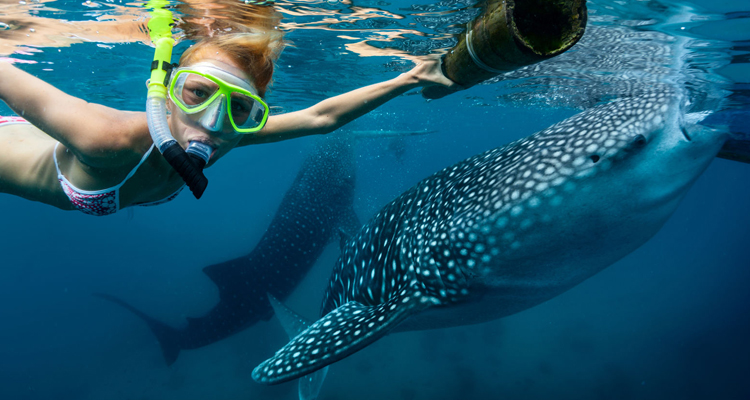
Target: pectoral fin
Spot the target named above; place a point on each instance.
(342, 332)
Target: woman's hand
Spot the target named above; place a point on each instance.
(429, 74)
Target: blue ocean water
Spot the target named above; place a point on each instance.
(669, 321)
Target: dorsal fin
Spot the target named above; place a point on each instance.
(222, 274)
(342, 332)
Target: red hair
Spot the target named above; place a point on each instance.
(250, 38)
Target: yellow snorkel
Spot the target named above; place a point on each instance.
(189, 164)
(160, 31)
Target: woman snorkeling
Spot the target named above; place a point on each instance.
(75, 155)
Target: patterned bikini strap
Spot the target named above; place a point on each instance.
(12, 120)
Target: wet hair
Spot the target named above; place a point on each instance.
(249, 36)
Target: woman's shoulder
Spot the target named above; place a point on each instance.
(123, 137)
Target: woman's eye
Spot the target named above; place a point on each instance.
(237, 106)
(199, 93)
(197, 90)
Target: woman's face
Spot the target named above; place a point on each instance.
(187, 128)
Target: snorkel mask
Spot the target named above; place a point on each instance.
(210, 96)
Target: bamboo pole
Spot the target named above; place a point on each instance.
(508, 35)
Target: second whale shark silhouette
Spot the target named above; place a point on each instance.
(504, 230)
(314, 210)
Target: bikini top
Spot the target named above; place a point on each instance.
(105, 201)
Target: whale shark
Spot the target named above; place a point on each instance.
(315, 209)
(504, 230)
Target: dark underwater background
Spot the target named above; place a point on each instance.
(669, 321)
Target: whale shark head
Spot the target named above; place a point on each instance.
(645, 149)
(564, 203)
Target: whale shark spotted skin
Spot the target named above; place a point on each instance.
(507, 229)
(317, 204)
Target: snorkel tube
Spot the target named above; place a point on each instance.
(189, 164)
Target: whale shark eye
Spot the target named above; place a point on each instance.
(640, 141)
(594, 158)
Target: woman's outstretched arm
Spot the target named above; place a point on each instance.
(333, 113)
(98, 135)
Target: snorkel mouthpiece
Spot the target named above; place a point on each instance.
(186, 166)
(190, 167)
(200, 153)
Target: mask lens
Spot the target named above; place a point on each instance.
(193, 90)
(246, 111)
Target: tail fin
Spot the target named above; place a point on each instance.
(167, 336)
(310, 384)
